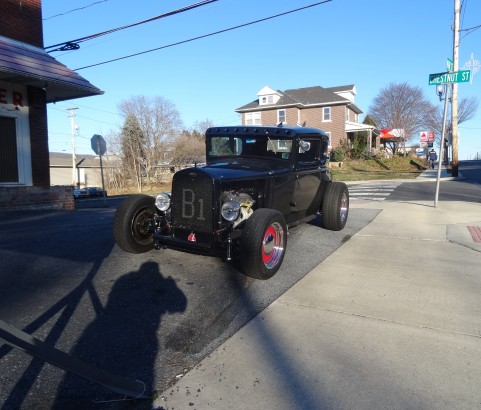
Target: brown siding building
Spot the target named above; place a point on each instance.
(330, 109)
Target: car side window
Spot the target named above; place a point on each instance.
(225, 146)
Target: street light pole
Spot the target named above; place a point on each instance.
(72, 126)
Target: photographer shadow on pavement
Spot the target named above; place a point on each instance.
(123, 337)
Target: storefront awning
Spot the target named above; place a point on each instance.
(32, 66)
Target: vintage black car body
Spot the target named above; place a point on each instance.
(257, 181)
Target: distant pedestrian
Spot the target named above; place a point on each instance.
(432, 157)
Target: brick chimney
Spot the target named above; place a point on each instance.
(21, 20)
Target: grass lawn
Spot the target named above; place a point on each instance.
(355, 170)
(391, 168)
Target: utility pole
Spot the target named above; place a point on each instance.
(72, 126)
(454, 94)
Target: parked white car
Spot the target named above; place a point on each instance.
(80, 193)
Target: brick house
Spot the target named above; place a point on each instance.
(29, 79)
(330, 109)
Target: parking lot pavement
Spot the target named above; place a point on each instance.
(147, 317)
(392, 319)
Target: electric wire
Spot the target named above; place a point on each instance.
(77, 9)
(204, 35)
(74, 44)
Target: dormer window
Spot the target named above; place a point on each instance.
(268, 96)
(267, 99)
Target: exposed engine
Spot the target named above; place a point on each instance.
(245, 202)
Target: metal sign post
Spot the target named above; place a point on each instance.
(99, 146)
(441, 151)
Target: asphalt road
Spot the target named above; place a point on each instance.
(146, 317)
(467, 189)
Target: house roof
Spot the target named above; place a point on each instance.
(31, 66)
(342, 88)
(64, 160)
(305, 97)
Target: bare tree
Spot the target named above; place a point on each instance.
(402, 107)
(159, 122)
(201, 126)
(467, 109)
(189, 148)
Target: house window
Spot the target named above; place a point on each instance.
(8, 150)
(267, 99)
(253, 118)
(326, 114)
(281, 116)
(347, 114)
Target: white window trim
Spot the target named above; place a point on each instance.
(22, 128)
(285, 116)
(323, 114)
(253, 116)
(330, 139)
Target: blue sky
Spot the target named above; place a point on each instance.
(368, 43)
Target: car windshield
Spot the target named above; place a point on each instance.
(250, 146)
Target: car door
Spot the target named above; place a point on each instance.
(307, 179)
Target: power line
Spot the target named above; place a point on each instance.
(77, 9)
(74, 44)
(204, 36)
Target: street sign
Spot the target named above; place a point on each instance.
(450, 65)
(99, 146)
(461, 76)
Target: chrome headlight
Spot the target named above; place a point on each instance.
(162, 202)
(230, 210)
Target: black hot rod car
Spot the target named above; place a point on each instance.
(257, 181)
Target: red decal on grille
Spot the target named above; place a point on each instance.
(192, 237)
(475, 232)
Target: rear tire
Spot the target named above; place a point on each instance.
(133, 224)
(263, 244)
(335, 206)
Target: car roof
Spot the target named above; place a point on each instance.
(285, 131)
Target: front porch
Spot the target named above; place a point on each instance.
(369, 132)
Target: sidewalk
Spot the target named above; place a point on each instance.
(391, 320)
(432, 174)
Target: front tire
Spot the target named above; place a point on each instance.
(134, 223)
(335, 206)
(263, 244)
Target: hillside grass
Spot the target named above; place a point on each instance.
(372, 169)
